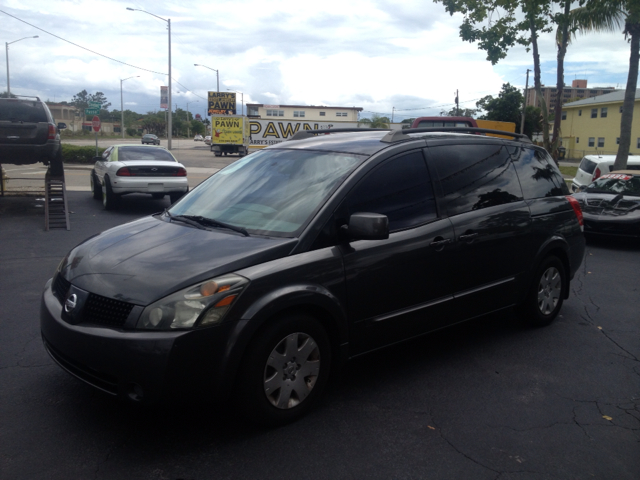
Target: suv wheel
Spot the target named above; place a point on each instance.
(96, 188)
(546, 296)
(109, 199)
(285, 371)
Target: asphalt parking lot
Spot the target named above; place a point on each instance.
(490, 399)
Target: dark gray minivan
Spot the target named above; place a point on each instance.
(289, 261)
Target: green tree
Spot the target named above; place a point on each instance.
(610, 15)
(376, 121)
(81, 102)
(506, 107)
(533, 123)
(5, 94)
(197, 127)
(497, 25)
(460, 112)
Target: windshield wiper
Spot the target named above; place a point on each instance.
(200, 221)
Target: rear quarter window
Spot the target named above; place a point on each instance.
(538, 174)
(587, 165)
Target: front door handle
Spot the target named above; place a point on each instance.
(439, 243)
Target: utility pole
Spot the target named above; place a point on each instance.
(457, 105)
(524, 106)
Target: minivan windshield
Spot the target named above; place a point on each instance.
(271, 192)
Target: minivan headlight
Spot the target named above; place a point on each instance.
(197, 306)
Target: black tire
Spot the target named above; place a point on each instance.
(109, 199)
(174, 197)
(56, 166)
(272, 384)
(545, 299)
(217, 154)
(96, 188)
(158, 196)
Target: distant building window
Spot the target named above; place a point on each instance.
(600, 142)
(581, 91)
(577, 140)
(592, 141)
(298, 113)
(341, 114)
(594, 113)
(603, 112)
(638, 143)
(617, 140)
(579, 113)
(620, 108)
(322, 114)
(275, 113)
(564, 115)
(253, 111)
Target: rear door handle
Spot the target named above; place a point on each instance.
(469, 237)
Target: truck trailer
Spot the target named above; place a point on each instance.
(230, 134)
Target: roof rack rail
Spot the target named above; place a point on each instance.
(303, 134)
(516, 136)
(27, 96)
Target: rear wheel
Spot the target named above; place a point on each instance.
(547, 293)
(286, 370)
(109, 199)
(96, 188)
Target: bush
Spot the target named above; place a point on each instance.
(77, 154)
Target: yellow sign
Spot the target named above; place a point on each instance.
(229, 130)
(222, 103)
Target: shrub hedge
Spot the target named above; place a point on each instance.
(77, 154)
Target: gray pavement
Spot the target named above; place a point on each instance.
(489, 399)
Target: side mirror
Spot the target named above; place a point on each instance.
(62, 126)
(367, 226)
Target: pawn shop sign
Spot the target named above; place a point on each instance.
(95, 123)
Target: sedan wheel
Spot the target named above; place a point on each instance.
(109, 199)
(286, 370)
(96, 188)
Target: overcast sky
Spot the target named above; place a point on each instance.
(384, 56)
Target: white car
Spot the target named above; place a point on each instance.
(207, 139)
(593, 166)
(129, 168)
(198, 138)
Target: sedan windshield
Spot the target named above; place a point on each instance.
(272, 192)
(615, 184)
(144, 153)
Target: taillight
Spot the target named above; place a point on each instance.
(123, 172)
(576, 209)
(597, 174)
(52, 132)
(180, 173)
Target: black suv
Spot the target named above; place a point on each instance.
(297, 257)
(29, 134)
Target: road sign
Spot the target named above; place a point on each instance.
(95, 123)
(97, 105)
(91, 111)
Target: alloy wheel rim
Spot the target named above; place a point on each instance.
(291, 371)
(549, 290)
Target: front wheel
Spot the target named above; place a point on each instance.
(286, 370)
(547, 293)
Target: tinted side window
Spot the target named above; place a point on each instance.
(400, 189)
(475, 176)
(538, 176)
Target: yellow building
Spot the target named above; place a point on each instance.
(592, 126)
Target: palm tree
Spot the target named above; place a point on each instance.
(606, 16)
(376, 121)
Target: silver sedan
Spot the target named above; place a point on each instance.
(124, 169)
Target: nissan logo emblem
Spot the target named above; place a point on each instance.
(154, 169)
(71, 303)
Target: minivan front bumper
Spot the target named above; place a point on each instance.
(140, 366)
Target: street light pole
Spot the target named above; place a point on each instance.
(169, 127)
(242, 99)
(6, 44)
(217, 75)
(122, 104)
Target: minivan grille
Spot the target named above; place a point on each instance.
(106, 311)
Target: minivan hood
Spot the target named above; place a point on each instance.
(145, 260)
